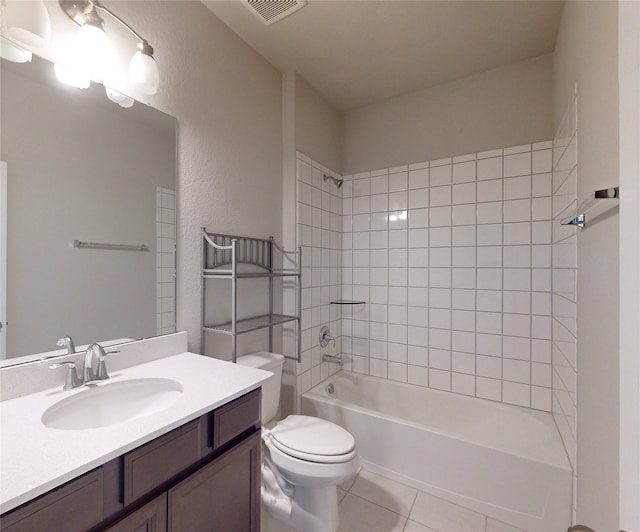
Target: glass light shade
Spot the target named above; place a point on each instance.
(71, 77)
(27, 21)
(117, 97)
(93, 51)
(143, 74)
(13, 53)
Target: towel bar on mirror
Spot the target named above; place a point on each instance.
(600, 199)
(98, 245)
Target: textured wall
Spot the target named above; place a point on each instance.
(586, 57)
(502, 107)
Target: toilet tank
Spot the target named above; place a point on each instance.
(272, 362)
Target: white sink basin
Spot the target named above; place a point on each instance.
(112, 403)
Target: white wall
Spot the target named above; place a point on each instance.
(629, 59)
(587, 56)
(317, 126)
(506, 106)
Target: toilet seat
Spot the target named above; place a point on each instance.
(313, 439)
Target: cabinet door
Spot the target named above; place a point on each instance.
(152, 517)
(76, 506)
(222, 496)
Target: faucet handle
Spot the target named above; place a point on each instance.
(72, 381)
(102, 374)
(325, 337)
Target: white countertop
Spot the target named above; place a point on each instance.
(35, 459)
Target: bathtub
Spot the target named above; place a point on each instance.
(504, 461)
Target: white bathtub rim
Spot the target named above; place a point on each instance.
(562, 461)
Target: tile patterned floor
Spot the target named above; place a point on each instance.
(373, 503)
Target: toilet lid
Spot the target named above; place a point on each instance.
(313, 439)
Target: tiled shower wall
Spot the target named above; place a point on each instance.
(453, 259)
(564, 253)
(319, 234)
(165, 258)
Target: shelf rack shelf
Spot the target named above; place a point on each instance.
(221, 255)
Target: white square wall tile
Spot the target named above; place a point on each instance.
(464, 172)
(440, 216)
(516, 394)
(489, 168)
(463, 235)
(489, 344)
(419, 178)
(361, 187)
(489, 388)
(379, 184)
(418, 218)
(489, 213)
(517, 210)
(398, 201)
(440, 196)
(379, 203)
(463, 384)
(440, 380)
(464, 193)
(440, 175)
(542, 161)
(516, 371)
(463, 299)
(463, 214)
(419, 199)
(398, 182)
(517, 165)
(490, 190)
(517, 187)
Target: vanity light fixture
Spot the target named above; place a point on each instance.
(12, 52)
(94, 48)
(28, 22)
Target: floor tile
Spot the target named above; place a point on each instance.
(412, 526)
(358, 515)
(499, 526)
(346, 485)
(385, 492)
(445, 516)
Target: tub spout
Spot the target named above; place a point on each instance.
(334, 359)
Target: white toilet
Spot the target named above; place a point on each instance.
(304, 458)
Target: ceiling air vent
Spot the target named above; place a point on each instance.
(271, 11)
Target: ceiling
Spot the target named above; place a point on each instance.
(358, 52)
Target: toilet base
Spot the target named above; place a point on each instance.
(313, 509)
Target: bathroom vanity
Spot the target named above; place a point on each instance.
(194, 465)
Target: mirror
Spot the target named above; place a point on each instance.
(78, 167)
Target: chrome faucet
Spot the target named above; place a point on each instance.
(335, 359)
(101, 373)
(325, 337)
(73, 381)
(67, 341)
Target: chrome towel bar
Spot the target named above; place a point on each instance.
(121, 247)
(600, 198)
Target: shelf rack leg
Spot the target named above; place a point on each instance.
(234, 317)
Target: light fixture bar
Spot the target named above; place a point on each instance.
(76, 10)
(143, 70)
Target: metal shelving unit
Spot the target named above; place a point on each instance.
(221, 256)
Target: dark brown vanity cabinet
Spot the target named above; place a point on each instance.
(203, 476)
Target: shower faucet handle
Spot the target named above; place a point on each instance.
(325, 337)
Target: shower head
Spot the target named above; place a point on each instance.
(337, 181)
